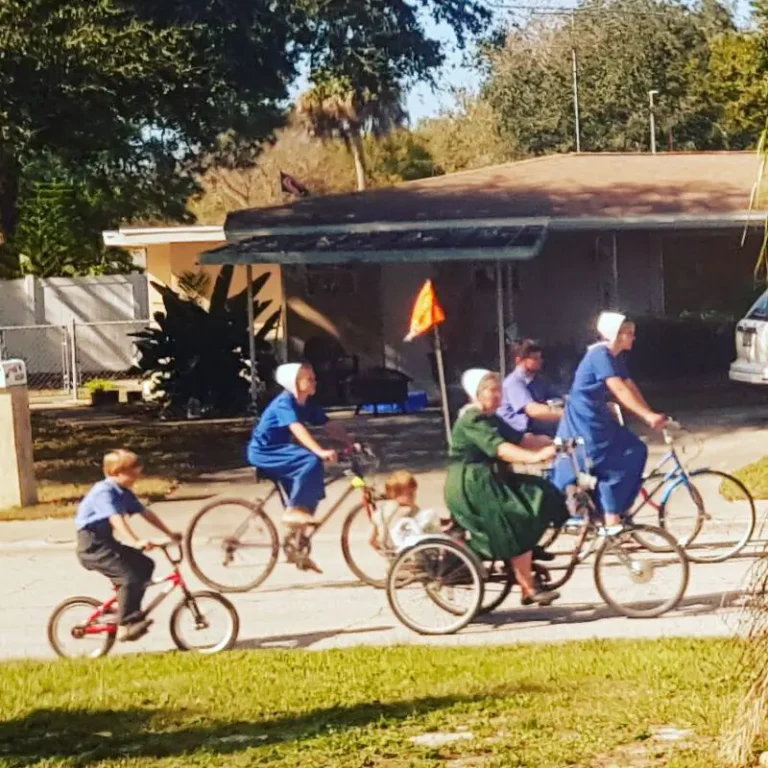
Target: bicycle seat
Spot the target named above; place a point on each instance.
(262, 475)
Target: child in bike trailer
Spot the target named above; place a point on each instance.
(282, 447)
(399, 518)
(130, 570)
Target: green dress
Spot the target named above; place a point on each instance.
(505, 513)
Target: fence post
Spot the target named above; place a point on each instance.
(73, 350)
(65, 358)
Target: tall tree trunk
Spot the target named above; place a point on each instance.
(358, 155)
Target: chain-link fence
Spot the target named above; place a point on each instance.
(46, 351)
(64, 357)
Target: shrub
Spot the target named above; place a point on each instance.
(198, 359)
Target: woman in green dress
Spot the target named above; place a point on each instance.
(504, 513)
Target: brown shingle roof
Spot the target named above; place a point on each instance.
(559, 186)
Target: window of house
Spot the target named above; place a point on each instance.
(330, 279)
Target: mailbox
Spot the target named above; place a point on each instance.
(13, 373)
(17, 488)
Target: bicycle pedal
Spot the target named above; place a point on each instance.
(308, 564)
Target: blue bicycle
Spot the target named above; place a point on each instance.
(710, 513)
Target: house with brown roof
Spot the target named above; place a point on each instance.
(563, 236)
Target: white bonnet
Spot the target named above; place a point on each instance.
(470, 380)
(286, 376)
(609, 324)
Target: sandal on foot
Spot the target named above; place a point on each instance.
(540, 597)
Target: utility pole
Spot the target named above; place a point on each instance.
(651, 94)
(575, 68)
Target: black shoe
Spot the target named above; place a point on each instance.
(133, 631)
(541, 554)
(540, 597)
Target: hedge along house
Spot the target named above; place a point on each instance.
(537, 247)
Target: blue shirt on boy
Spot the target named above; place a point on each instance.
(105, 499)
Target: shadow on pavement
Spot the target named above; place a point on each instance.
(305, 639)
(351, 584)
(582, 613)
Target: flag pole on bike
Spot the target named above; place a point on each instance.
(427, 315)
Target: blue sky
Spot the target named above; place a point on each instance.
(422, 100)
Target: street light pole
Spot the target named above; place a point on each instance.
(651, 94)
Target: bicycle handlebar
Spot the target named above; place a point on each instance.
(667, 430)
(165, 546)
(356, 458)
(567, 445)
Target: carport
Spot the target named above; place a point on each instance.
(498, 240)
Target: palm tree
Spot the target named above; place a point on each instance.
(334, 108)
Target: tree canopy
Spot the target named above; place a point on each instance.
(702, 69)
(150, 94)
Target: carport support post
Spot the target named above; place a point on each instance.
(500, 319)
(251, 337)
(443, 387)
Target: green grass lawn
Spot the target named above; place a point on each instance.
(68, 455)
(595, 703)
(755, 477)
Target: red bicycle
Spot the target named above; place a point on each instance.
(206, 622)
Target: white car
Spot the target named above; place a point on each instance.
(751, 363)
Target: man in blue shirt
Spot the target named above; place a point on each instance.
(526, 392)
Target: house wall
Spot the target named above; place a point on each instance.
(167, 261)
(556, 295)
(341, 303)
(710, 271)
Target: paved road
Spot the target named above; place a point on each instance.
(295, 610)
(298, 610)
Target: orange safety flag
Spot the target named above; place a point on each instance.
(427, 312)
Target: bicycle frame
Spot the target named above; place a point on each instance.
(172, 580)
(672, 478)
(356, 482)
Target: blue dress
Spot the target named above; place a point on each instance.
(618, 456)
(272, 448)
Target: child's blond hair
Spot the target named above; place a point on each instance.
(400, 482)
(120, 460)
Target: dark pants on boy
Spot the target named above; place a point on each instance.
(126, 567)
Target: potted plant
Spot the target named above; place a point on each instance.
(103, 392)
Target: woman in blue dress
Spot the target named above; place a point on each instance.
(283, 447)
(618, 456)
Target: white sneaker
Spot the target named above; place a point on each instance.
(610, 530)
(296, 517)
